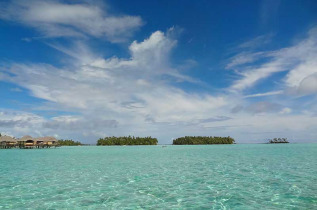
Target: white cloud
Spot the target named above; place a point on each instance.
(257, 41)
(286, 110)
(263, 106)
(57, 19)
(79, 123)
(271, 93)
(243, 127)
(308, 85)
(298, 60)
(262, 126)
(251, 77)
(117, 96)
(19, 123)
(244, 58)
(139, 95)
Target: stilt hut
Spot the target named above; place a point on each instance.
(39, 143)
(50, 141)
(27, 142)
(47, 141)
(7, 142)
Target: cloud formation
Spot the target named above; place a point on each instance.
(137, 92)
(58, 19)
(143, 93)
(139, 96)
(299, 61)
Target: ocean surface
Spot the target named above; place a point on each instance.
(242, 176)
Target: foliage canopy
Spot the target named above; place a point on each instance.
(278, 140)
(68, 142)
(126, 140)
(203, 140)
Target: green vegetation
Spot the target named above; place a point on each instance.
(278, 140)
(203, 140)
(126, 140)
(68, 142)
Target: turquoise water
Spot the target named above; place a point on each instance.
(245, 176)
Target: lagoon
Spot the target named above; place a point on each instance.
(241, 176)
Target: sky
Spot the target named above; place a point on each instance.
(85, 70)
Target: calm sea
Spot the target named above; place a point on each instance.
(245, 176)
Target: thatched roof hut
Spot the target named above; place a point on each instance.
(39, 140)
(27, 141)
(26, 138)
(49, 140)
(7, 139)
(7, 142)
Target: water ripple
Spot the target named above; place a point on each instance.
(149, 177)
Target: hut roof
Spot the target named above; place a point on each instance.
(7, 139)
(25, 138)
(46, 138)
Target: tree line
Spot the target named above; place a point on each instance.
(127, 140)
(203, 140)
(278, 140)
(68, 142)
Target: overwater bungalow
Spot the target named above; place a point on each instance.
(7, 142)
(47, 141)
(26, 142)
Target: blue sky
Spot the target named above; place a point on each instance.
(83, 70)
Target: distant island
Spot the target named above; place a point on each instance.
(191, 140)
(278, 140)
(69, 142)
(126, 140)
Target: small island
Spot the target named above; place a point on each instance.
(278, 141)
(69, 142)
(126, 140)
(191, 140)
